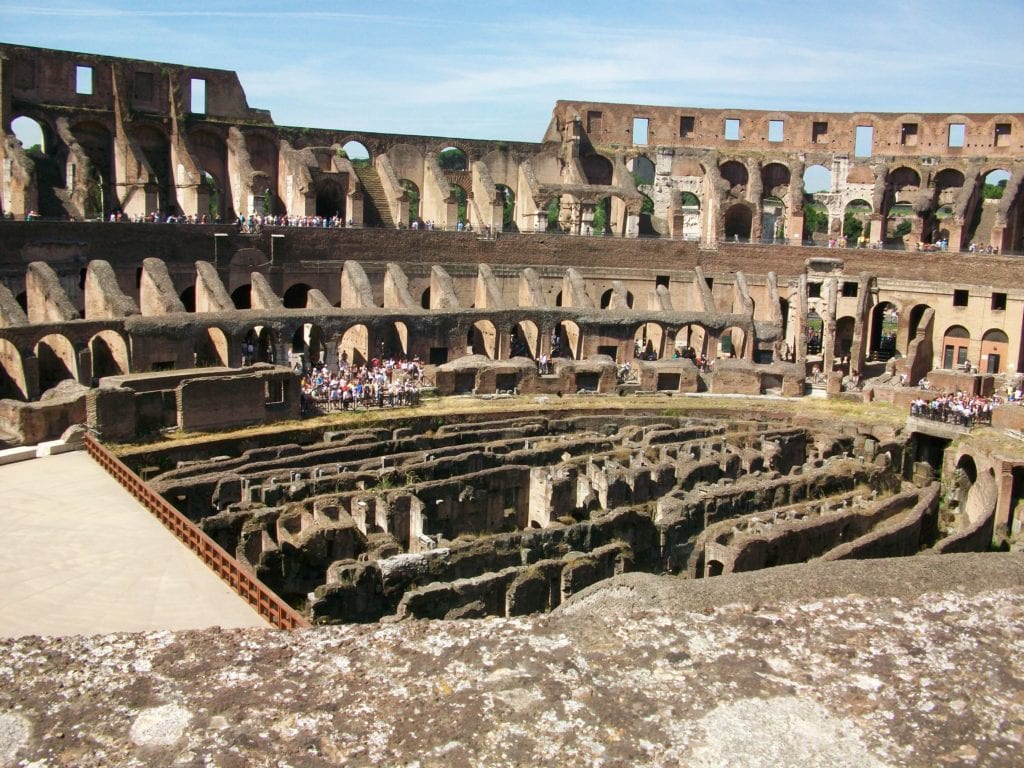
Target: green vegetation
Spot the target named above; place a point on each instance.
(453, 159)
(413, 194)
(600, 223)
(460, 199)
(554, 208)
(815, 220)
(853, 227)
(902, 229)
(994, 191)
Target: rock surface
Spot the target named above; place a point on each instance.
(904, 662)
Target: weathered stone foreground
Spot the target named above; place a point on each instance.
(904, 662)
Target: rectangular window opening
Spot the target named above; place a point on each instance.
(1002, 137)
(849, 289)
(957, 134)
(197, 100)
(998, 302)
(83, 80)
(814, 290)
(960, 296)
(273, 392)
(687, 125)
(660, 280)
(732, 129)
(640, 128)
(594, 122)
(819, 133)
(865, 137)
(908, 136)
(775, 130)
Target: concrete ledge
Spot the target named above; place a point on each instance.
(55, 447)
(13, 455)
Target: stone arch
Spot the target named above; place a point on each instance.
(412, 194)
(32, 131)
(691, 341)
(97, 142)
(737, 222)
(914, 320)
(425, 298)
(109, 354)
(58, 360)
(567, 340)
(606, 298)
(155, 146)
(775, 180)
(12, 373)
(885, 320)
(899, 221)
(904, 182)
(507, 198)
(715, 568)
(597, 168)
(188, 298)
(354, 345)
(482, 339)
(649, 341)
(308, 340)
(211, 348)
(773, 219)
(844, 336)
(357, 152)
(210, 151)
(296, 295)
(737, 176)
(817, 178)
(732, 342)
(645, 223)
(330, 197)
(462, 197)
(396, 340)
(948, 178)
(856, 222)
(526, 339)
(996, 177)
(453, 158)
(264, 153)
(955, 343)
(642, 169)
(214, 196)
(241, 297)
(815, 326)
(995, 347)
(263, 343)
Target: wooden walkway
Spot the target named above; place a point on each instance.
(79, 555)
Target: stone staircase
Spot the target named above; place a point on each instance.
(982, 234)
(376, 211)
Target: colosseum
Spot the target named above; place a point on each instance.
(643, 355)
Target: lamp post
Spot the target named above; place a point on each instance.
(216, 237)
(272, 239)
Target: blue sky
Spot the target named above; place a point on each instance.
(494, 71)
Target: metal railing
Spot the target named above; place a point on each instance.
(248, 587)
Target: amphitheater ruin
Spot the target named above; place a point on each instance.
(173, 260)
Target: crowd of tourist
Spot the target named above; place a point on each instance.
(252, 223)
(958, 408)
(380, 383)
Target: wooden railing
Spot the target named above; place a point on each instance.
(248, 587)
